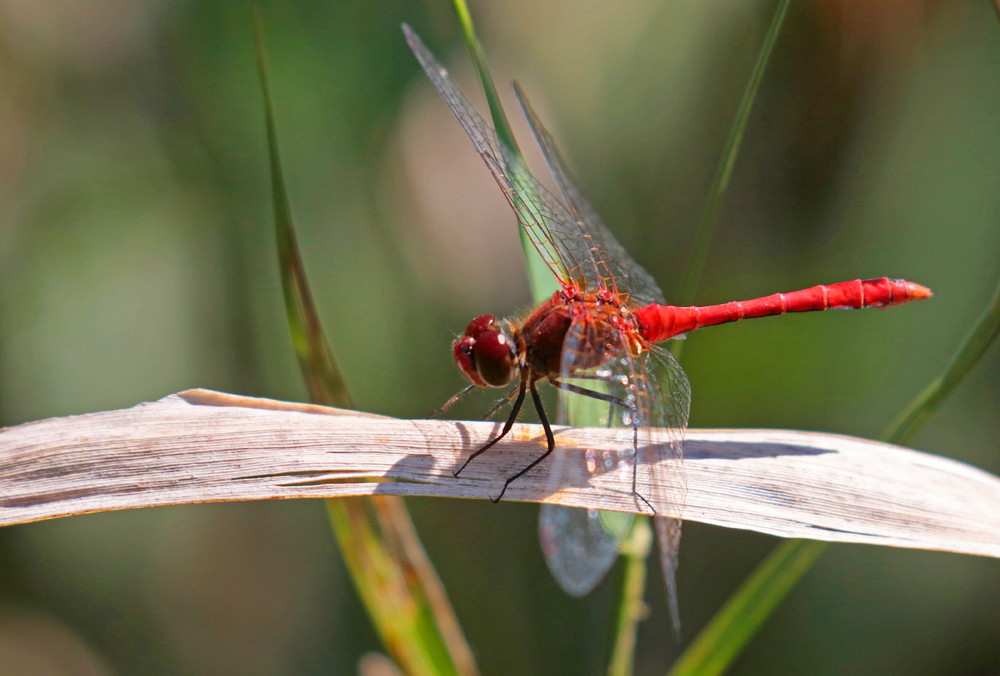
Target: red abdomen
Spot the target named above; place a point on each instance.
(659, 322)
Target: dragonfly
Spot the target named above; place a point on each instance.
(597, 341)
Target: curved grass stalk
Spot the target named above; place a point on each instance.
(720, 181)
(632, 595)
(632, 608)
(391, 571)
(744, 613)
(732, 627)
(718, 644)
(540, 278)
(926, 403)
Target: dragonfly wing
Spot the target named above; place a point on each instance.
(667, 406)
(580, 545)
(589, 237)
(538, 211)
(631, 384)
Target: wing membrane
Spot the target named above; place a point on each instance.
(640, 387)
(538, 211)
(616, 269)
(572, 241)
(668, 404)
(581, 545)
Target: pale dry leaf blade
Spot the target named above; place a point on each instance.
(200, 446)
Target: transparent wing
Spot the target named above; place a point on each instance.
(616, 267)
(581, 545)
(639, 387)
(666, 413)
(561, 240)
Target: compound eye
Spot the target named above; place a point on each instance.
(462, 350)
(494, 358)
(481, 324)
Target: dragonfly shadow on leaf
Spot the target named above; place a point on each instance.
(522, 446)
(515, 451)
(695, 449)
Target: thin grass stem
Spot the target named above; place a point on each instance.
(926, 403)
(541, 280)
(724, 170)
(632, 608)
(390, 569)
(703, 238)
(722, 640)
(732, 627)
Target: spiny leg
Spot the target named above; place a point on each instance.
(635, 463)
(614, 401)
(600, 396)
(506, 428)
(549, 438)
(451, 401)
(593, 394)
(603, 378)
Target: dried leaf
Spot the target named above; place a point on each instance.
(203, 446)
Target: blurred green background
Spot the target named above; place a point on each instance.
(137, 259)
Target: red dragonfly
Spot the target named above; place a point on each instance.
(596, 341)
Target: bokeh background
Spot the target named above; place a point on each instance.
(137, 259)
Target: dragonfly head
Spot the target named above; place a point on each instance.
(485, 353)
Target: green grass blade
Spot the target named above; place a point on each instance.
(719, 643)
(731, 628)
(394, 578)
(399, 587)
(770, 586)
(923, 407)
(631, 607)
(543, 283)
(319, 368)
(500, 123)
(720, 181)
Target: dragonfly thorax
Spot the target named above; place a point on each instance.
(486, 353)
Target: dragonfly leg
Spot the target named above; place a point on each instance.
(635, 490)
(611, 399)
(448, 404)
(594, 376)
(614, 401)
(593, 394)
(635, 463)
(549, 438)
(506, 428)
